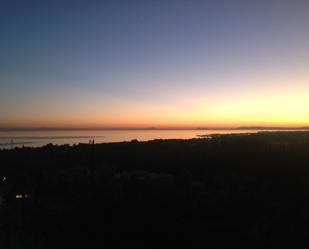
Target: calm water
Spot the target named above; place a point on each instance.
(10, 139)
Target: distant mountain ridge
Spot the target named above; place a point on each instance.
(148, 128)
(270, 128)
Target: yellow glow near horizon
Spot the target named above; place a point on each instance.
(180, 65)
(287, 105)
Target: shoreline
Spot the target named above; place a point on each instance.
(36, 140)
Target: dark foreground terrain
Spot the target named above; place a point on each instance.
(222, 192)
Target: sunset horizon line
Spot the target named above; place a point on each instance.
(59, 128)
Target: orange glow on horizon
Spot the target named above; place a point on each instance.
(284, 106)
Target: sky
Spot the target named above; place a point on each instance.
(154, 63)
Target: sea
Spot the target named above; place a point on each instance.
(37, 138)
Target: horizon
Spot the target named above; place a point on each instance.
(164, 64)
(151, 128)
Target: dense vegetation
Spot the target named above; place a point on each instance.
(247, 190)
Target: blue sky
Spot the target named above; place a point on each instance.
(135, 63)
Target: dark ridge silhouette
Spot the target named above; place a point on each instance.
(148, 128)
(224, 191)
(270, 128)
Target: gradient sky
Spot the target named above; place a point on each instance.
(154, 63)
